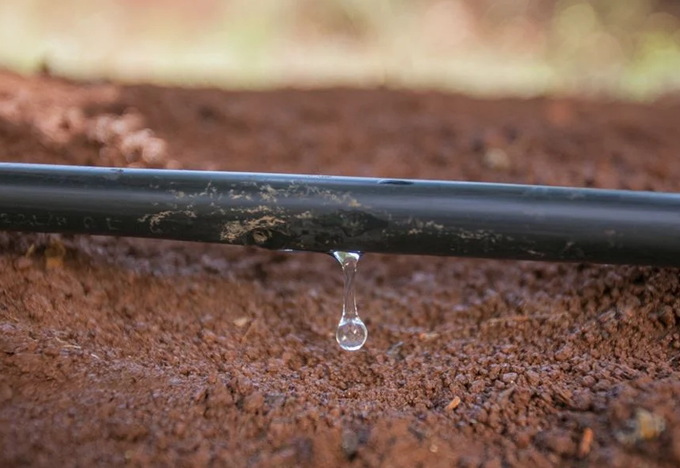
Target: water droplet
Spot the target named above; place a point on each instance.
(351, 333)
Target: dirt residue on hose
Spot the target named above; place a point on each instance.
(152, 353)
(235, 230)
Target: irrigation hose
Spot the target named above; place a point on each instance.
(323, 214)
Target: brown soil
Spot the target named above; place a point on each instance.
(124, 351)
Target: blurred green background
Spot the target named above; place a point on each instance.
(623, 48)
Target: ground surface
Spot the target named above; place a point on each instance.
(120, 351)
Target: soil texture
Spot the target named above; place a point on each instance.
(144, 353)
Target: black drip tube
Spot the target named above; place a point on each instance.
(323, 214)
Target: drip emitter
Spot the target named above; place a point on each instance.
(346, 214)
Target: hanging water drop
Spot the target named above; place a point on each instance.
(351, 333)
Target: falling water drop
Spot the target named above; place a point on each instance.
(351, 333)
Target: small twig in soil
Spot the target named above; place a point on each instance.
(586, 443)
(453, 404)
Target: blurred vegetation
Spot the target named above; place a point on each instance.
(626, 48)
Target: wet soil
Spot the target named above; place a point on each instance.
(145, 353)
